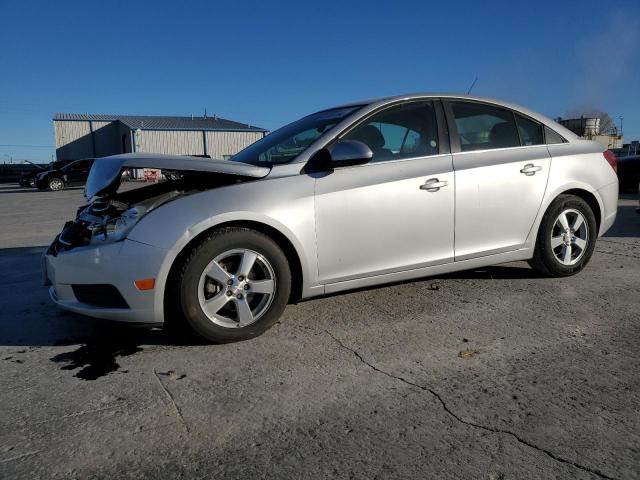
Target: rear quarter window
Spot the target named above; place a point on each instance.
(529, 130)
(551, 136)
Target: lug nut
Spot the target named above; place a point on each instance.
(240, 278)
(229, 293)
(246, 286)
(239, 296)
(229, 282)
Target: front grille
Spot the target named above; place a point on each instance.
(104, 296)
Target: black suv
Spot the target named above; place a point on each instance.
(72, 175)
(28, 179)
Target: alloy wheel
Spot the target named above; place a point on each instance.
(569, 237)
(236, 288)
(56, 184)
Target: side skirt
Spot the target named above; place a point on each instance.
(522, 254)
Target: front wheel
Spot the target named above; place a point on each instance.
(566, 237)
(234, 285)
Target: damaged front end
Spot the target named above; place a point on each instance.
(111, 214)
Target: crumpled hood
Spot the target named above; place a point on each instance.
(106, 172)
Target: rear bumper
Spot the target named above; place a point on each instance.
(118, 264)
(609, 196)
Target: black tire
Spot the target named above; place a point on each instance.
(544, 259)
(52, 184)
(218, 242)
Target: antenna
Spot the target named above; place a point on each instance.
(472, 85)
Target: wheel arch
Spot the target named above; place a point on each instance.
(293, 258)
(579, 191)
(588, 197)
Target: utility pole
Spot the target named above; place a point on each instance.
(621, 118)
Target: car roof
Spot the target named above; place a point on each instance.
(77, 161)
(568, 134)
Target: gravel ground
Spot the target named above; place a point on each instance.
(494, 374)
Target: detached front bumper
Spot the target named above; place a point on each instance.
(99, 281)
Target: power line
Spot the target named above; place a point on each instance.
(27, 146)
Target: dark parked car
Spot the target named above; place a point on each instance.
(72, 175)
(29, 178)
(629, 173)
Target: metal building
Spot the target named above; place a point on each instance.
(94, 135)
(589, 128)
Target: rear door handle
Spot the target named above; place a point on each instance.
(530, 169)
(433, 185)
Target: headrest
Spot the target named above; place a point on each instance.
(503, 135)
(372, 137)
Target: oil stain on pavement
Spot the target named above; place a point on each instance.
(96, 360)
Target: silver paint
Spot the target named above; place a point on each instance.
(362, 225)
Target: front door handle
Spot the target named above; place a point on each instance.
(433, 185)
(530, 169)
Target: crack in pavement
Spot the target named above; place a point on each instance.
(74, 414)
(19, 457)
(626, 244)
(466, 422)
(626, 255)
(173, 402)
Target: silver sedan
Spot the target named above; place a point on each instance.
(358, 195)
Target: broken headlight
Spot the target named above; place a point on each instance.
(117, 228)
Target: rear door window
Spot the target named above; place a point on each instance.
(484, 127)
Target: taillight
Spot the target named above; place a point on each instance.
(610, 157)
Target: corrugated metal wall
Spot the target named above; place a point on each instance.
(169, 141)
(222, 144)
(106, 137)
(124, 134)
(74, 140)
(67, 132)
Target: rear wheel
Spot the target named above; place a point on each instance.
(566, 237)
(234, 285)
(55, 184)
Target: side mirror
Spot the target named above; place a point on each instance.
(350, 152)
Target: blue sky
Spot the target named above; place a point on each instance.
(267, 64)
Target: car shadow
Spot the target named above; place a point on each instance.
(627, 224)
(30, 319)
(15, 188)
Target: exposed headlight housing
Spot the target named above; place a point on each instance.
(115, 229)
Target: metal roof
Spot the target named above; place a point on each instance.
(148, 122)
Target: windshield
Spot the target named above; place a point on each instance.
(288, 142)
